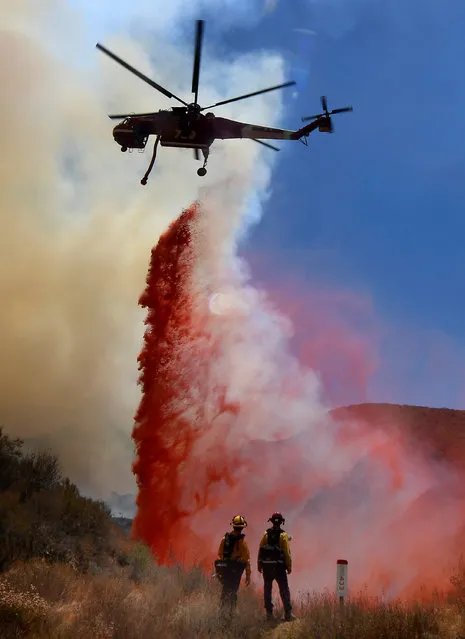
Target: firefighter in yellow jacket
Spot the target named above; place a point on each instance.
(233, 559)
(275, 562)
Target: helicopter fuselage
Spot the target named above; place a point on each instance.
(176, 128)
(185, 128)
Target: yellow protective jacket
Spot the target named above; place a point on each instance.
(284, 540)
(240, 553)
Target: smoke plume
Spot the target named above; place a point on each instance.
(77, 227)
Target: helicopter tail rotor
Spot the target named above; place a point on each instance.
(326, 113)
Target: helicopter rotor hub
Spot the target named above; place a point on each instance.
(194, 108)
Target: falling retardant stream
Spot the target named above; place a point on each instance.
(163, 436)
(211, 442)
(171, 416)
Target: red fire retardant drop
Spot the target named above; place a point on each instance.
(171, 415)
(163, 440)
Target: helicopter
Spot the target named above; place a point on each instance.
(188, 127)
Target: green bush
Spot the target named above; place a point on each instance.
(10, 458)
(140, 559)
(43, 515)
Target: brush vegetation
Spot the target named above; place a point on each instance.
(67, 571)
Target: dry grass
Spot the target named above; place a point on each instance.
(41, 600)
(323, 617)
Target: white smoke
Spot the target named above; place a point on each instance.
(77, 227)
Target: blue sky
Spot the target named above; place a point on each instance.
(378, 207)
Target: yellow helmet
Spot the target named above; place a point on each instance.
(238, 522)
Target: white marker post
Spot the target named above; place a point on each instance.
(342, 584)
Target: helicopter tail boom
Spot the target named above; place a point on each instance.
(323, 124)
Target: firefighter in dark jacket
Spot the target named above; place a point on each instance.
(275, 562)
(234, 558)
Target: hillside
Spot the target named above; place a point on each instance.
(441, 431)
(125, 523)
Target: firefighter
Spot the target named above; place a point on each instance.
(275, 562)
(234, 558)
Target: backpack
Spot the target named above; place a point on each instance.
(271, 552)
(230, 541)
(222, 566)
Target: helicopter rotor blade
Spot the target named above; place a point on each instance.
(123, 116)
(312, 117)
(197, 56)
(320, 115)
(270, 146)
(342, 110)
(249, 95)
(140, 75)
(324, 103)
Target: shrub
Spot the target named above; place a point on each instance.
(10, 456)
(22, 612)
(43, 515)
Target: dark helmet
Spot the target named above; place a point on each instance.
(277, 517)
